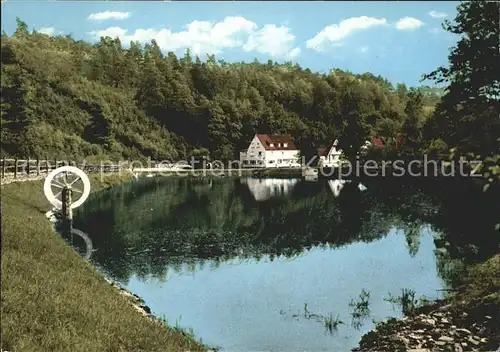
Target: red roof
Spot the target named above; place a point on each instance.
(377, 142)
(277, 141)
(399, 141)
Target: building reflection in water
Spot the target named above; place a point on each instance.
(337, 185)
(265, 188)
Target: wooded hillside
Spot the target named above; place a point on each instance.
(71, 99)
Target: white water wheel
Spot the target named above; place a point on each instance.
(66, 176)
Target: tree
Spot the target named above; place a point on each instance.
(401, 89)
(355, 131)
(98, 131)
(468, 116)
(22, 27)
(412, 126)
(15, 119)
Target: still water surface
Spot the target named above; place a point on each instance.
(236, 260)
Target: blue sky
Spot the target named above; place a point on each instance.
(397, 40)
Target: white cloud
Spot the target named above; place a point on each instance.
(294, 52)
(204, 37)
(112, 32)
(108, 15)
(437, 14)
(337, 32)
(409, 23)
(272, 40)
(47, 30)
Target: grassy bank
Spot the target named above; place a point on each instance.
(479, 293)
(52, 300)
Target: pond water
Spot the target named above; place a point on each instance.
(264, 264)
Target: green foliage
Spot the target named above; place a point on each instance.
(412, 126)
(467, 118)
(62, 97)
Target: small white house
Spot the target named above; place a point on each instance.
(330, 157)
(270, 151)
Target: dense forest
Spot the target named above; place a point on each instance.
(72, 99)
(69, 98)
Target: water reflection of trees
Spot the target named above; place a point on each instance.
(462, 216)
(149, 225)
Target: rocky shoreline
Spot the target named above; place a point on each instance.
(439, 326)
(136, 301)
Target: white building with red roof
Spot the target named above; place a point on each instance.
(268, 151)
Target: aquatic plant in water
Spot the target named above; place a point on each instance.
(330, 322)
(361, 307)
(407, 301)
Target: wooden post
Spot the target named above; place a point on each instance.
(67, 212)
(37, 167)
(3, 168)
(55, 161)
(47, 165)
(15, 168)
(28, 167)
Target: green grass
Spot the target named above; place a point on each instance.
(480, 297)
(52, 300)
(481, 285)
